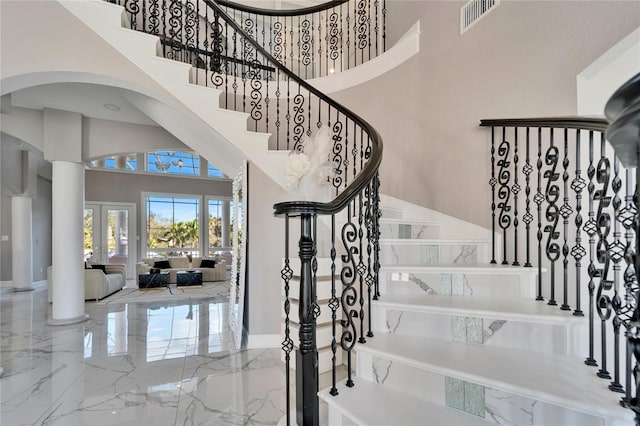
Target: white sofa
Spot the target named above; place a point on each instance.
(97, 284)
(217, 273)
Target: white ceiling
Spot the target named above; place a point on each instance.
(86, 99)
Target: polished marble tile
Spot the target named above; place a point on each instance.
(133, 364)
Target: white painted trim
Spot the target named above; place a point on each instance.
(264, 341)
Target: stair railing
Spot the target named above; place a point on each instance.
(578, 222)
(320, 40)
(226, 55)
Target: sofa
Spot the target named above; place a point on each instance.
(98, 283)
(175, 264)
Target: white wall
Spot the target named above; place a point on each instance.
(519, 61)
(600, 79)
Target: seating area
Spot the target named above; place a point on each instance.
(213, 269)
(100, 281)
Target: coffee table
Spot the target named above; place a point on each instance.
(155, 280)
(188, 278)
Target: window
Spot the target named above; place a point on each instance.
(173, 225)
(215, 223)
(117, 162)
(173, 162)
(213, 171)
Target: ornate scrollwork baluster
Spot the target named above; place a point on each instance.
(616, 254)
(565, 212)
(376, 236)
(349, 297)
(591, 229)
(369, 280)
(577, 251)
(527, 169)
(492, 182)
(627, 217)
(190, 32)
(298, 121)
(361, 268)
(515, 189)
(539, 199)
(362, 27)
(305, 45)
(504, 192)
(175, 29)
(132, 7)
(603, 301)
(154, 18)
(552, 213)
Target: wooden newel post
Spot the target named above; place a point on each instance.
(307, 411)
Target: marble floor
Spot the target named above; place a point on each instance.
(169, 363)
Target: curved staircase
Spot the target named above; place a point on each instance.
(442, 336)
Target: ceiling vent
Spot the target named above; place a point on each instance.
(475, 10)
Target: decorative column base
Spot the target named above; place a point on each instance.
(67, 321)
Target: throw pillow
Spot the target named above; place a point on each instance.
(162, 264)
(208, 263)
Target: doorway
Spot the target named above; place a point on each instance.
(110, 234)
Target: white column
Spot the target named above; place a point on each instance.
(21, 243)
(67, 191)
(226, 221)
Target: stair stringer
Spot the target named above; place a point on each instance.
(223, 127)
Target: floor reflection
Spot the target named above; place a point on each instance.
(162, 363)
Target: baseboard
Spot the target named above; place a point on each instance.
(36, 284)
(264, 341)
(6, 284)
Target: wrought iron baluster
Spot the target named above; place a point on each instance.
(627, 217)
(515, 189)
(334, 304)
(616, 254)
(492, 182)
(539, 198)
(504, 192)
(376, 28)
(603, 301)
(369, 280)
(384, 25)
(565, 211)
(578, 252)
(591, 229)
(287, 343)
(349, 297)
(552, 213)
(376, 235)
(528, 217)
(361, 269)
(154, 18)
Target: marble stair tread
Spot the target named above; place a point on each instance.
(513, 309)
(431, 242)
(370, 403)
(550, 378)
(461, 268)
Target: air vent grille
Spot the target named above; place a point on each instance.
(473, 11)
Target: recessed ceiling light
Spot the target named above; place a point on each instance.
(112, 107)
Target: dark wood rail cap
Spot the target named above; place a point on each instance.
(597, 124)
(281, 12)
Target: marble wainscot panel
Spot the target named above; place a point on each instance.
(415, 253)
(503, 286)
(394, 229)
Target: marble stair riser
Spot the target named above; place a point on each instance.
(503, 286)
(409, 231)
(560, 338)
(493, 405)
(397, 253)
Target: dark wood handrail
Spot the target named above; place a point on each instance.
(586, 123)
(281, 12)
(367, 173)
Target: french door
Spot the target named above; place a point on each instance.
(110, 234)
